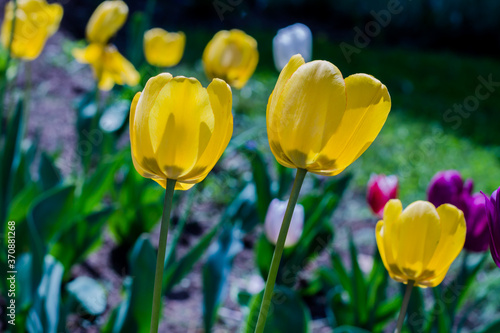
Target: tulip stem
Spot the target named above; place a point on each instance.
(404, 306)
(160, 260)
(278, 251)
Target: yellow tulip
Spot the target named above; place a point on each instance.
(35, 22)
(108, 65)
(231, 56)
(420, 243)
(106, 20)
(320, 122)
(162, 48)
(179, 130)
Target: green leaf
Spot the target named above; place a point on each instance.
(78, 241)
(342, 275)
(377, 283)
(263, 255)
(288, 313)
(261, 179)
(175, 273)
(45, 220)
(216, 272)
(99, 183)
(491, 328)
(21, 203)
(51, 212)
(244, 208)
(350, 329)
(114, 117)
(49, 175)
(134, 313)
(285, 181)
(338, 311)
(10, 156)
(44, 315)
(359, 286)
(89, 294)
(416, 315)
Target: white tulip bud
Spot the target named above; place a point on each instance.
(274, 220)
(296, 38)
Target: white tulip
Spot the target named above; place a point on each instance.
(296, 38)
(274, 219)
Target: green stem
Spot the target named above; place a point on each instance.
(278, 251)
(160, 260)
(180, 227)
(404, 306)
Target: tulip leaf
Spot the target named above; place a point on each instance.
(99, 183)
(285, 181)
(263, 255)
(339, 313)
(49, 175)
(494, 327)
(261, 179)
(182, 267)
(77, 241)
(288, 313)
(133, 315)
(350, 329)
(10, 156)
(359, 286)
(51, 211)
(44, 314)
(216, 272)
(89, 294)
(115, 116)
(416, 317)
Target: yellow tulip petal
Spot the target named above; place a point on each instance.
(121, 69)
(435, 280)
(309, 110)
(35, 22)
(368, 105)
(106, 20)
(142, 148)
(89, 55)
(108, 65)
(181, 124)
(220, 97)
(451, 242)
(390, 240)
(273, 115)
(418, 235)
(231, 56)
(162, 48)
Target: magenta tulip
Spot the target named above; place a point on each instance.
(380, 190)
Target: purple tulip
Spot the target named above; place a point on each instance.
(448, 187)
(477, 238)
(493, 213)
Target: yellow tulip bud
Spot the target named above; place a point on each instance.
(420, 243)
(178, 129)
(35, 22)
(108, 65)
(106, 20)
(320, 122)
(231, 56)
(162, 48)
